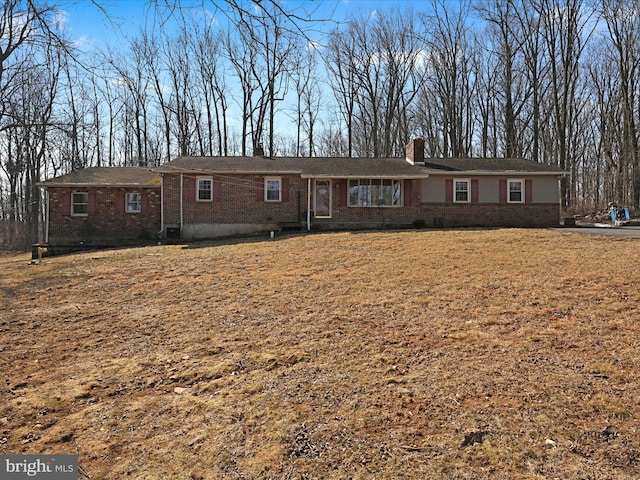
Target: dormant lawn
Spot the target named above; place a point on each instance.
(471, 354)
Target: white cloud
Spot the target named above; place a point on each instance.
(60, 19)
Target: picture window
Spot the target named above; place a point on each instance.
(375, 192)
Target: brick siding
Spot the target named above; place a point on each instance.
(108, 224)
(491, 215)
(239, 200)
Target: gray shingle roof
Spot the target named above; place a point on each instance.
(315, 167)
(106, 176)
(306, 167)
(351, 167)
(488, 165)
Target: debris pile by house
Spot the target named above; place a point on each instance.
(612, 215)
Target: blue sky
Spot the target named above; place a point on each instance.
(96, 22)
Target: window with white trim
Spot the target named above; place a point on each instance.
(375, 192)
(204, 189)
(273, 189)
(461, 191)
(133, 203)
(80, 204)
(515, 190)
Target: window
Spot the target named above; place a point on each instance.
(374, 192)
(80, 203)
(515, 193)
(273, 189)
(461, 191)
(205, 192)
(134, 203)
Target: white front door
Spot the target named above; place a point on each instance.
(323, 198)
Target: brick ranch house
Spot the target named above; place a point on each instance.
(205, 197)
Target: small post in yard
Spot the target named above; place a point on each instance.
(38, 252)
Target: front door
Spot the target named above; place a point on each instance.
(323, 198)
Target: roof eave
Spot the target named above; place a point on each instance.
(364, 175)
(500, 173)
(98, 185)
(203, 171)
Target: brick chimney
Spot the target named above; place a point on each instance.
(415, 151)
(258, 150)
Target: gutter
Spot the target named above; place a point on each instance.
(209, 171)
(96, 185)
(309, 204)
(403, 176)
(181, 202)
(46, 216)
(161, 205)
(501, 173)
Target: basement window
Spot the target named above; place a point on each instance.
(205, 189)
(80, 204)
(134, 203)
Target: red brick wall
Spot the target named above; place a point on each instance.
(236, 202)
(238, 199)
(491, 214)
(107, 222)
(344, 217)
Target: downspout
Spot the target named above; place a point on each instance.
(161, 204)
(181, 201)
(46, 216)
(299, 205)
(309, 203)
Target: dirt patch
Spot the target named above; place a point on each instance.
(432, 354)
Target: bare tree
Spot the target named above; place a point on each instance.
(308, 98)
(378, 58)
(242, 57)
(206, 51)
(486, 101)
(30, 52)
(155, 71)
(622, 18)
(536, 67)
(132, 75)
(449, 87)
(507, 45)
(340, 62)
(563, 37)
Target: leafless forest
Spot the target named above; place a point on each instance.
(555, 81)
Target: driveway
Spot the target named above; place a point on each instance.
(619, 232)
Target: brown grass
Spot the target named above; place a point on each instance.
(500, 354)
